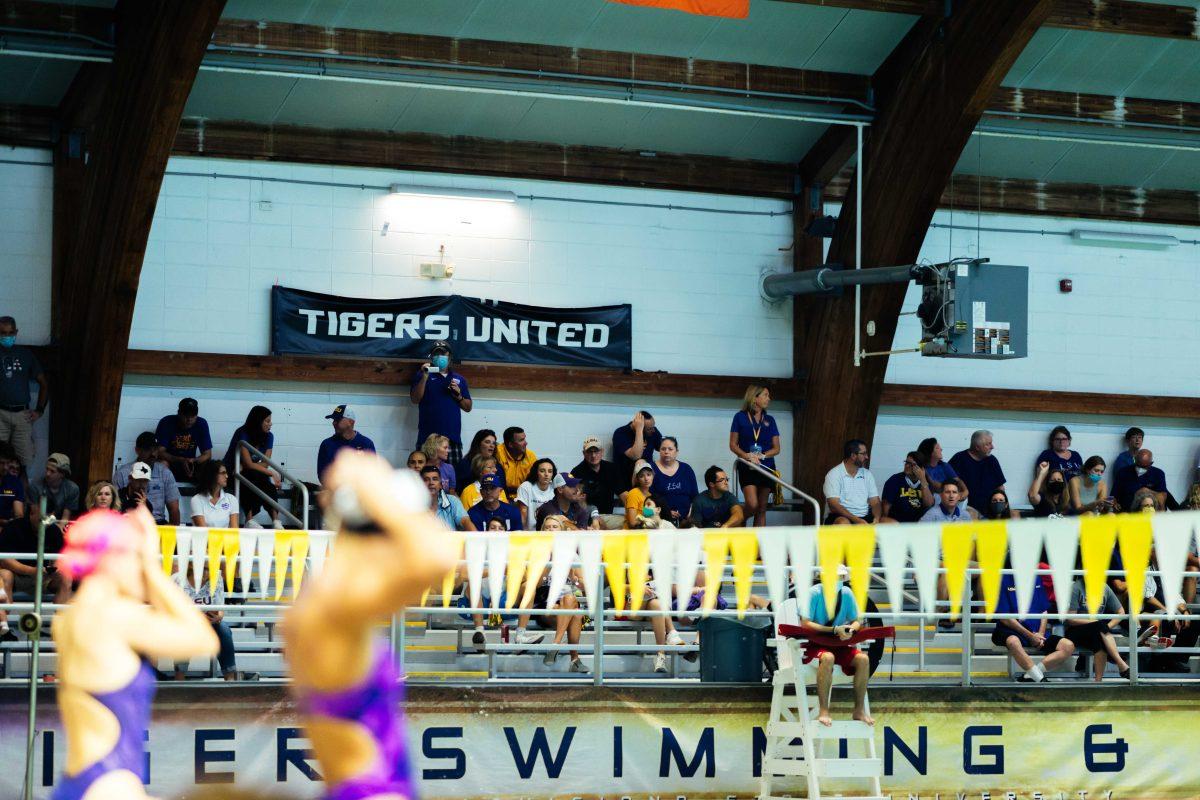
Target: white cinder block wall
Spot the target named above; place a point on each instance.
(26, 206)
(1131, 325)
(219, 243)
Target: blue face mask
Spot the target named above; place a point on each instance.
(647, 512)
(7, 341)
(1094, 478)
(441, 362)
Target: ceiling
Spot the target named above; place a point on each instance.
(776, 33)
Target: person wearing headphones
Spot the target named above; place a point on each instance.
(441, 397)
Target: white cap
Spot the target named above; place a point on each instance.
(140, 471)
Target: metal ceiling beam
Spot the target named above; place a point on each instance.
(1104, 16)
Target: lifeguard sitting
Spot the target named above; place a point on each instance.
(843, 623)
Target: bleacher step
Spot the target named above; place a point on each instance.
(825, 768)
(840, 729)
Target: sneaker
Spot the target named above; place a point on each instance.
(528, 638)
(253, 523)
(478, 641)
(550, 658)
(577, 666)
(277, 525)
(674, 639)
(660, 662)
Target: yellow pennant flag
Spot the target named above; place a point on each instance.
(166, 540)
(283, 544)
(991, 545)
(299, 558)
(518, 560)
(957, 539)
(716, 545)
(232, 546)
(1097, 538)
(638, 551)
(457, 541)
(744, 547)
(541, 545)
(1135, 534)
(860, 552)
(216, 542)
(614, 567)
(831, 548)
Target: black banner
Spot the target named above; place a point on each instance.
(478, 330)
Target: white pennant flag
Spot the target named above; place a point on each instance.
(319, 543)
(1172, 539)
(183, 547)
(1025, 539)
(199, 556)
(892, 541)
(925, 544)
(1061, 540)
(562, 558)
(802, 547)
(247, 542)
(662, 561)
(688, 546)
(591, 546)
(497, 557)
(266, 555)
(476, 555)
(772, 549)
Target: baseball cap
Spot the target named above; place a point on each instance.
(60, 462)
(592, 441)
(568, 479)
(140, 471)
(441, 344)
(146, 441)
(488, 480)
(189, 407)
(342, 412)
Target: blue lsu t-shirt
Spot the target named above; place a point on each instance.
(1007, 603)
(11, 491)
(750, 433)
(438, 412)
(904, 500)
(817, 612)
(511, 516)
(182, 443)
(677, 489)
(1071, 466)
(940, 473)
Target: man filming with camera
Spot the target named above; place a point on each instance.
(441, 396)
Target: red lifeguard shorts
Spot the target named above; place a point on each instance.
(842, 656)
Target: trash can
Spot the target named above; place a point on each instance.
(731, 650)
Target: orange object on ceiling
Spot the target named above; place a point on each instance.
(736, 9)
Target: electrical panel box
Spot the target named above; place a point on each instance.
(975, 310)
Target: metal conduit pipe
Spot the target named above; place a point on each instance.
(826, 279)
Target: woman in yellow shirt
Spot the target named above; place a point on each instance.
(635, 498)
(480, 465)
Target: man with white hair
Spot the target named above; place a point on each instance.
(979, 470)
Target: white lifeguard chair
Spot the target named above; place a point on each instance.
(794, 716)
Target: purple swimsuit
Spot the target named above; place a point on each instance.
(376, 704)
(131, 707)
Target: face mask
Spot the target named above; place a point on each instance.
(1000, 509)
(1140, 470)
(441, 362)
(7, 341)
(647, 512)
(1094, 478)
(1054, 487)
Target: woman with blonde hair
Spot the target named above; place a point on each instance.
(125, 615)
(754, 436)
(102, 495)
(437, 452)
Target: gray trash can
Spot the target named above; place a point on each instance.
(731, 650)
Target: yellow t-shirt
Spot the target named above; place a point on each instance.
(515, 472)
(635, 499)
(471, 495)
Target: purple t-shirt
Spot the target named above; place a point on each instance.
(183, 442)
(438, 412)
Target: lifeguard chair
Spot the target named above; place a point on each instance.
(794, 717)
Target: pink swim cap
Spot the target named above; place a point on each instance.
(91, 537)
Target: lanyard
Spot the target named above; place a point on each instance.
(754, 430)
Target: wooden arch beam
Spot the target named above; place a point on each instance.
(131, 112)
(938, 82)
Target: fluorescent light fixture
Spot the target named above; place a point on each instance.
(450, 193)
(1104, 238)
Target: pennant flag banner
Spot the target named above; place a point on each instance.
(860, 551)
(991, 543)
(893, 552)
(831, 548)
(183, 546)
(801, 546)
(1062, 546)
(562, 558)
(319, 544)
(1025, 553)
(716, 545)
(662, 561)
(497, 560)
(590, 547)
(199, 551)
(958, 540)
(1172, 539)
(743, 546)
(476, 554)
(614, 566)
(924, 540)
(638, 552)
(1097, 538)
(266, 552)
(450, 579)
(518, 562)
(541, 545)
(772, 548)
(734, 9)
(247, 550)
(166, 542)
(688, 546)
(1135, 537)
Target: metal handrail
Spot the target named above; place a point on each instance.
(816, 506)
(302, 521)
